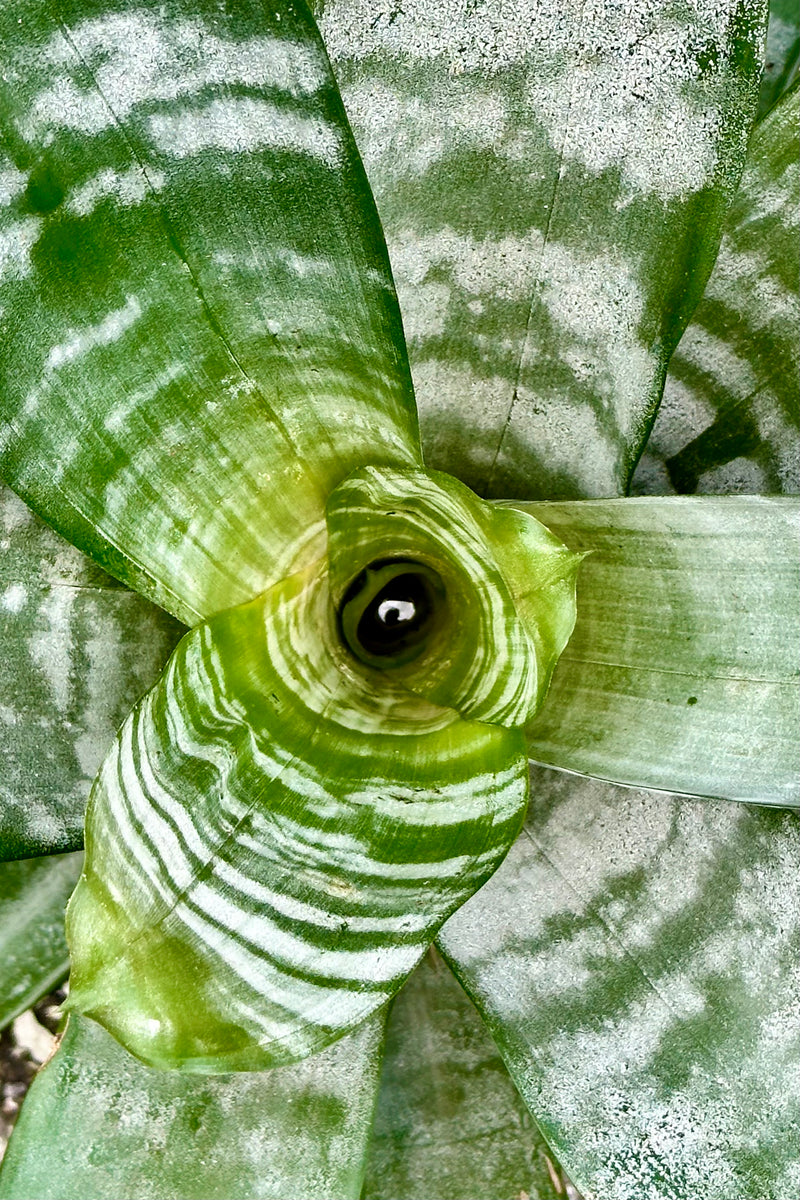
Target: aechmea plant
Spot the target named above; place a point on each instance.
(349, 680)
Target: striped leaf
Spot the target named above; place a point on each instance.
(552, 179)
(636, 958)
(730, 417)
(97, 1123)
(199, 330)
(283, 822)
(449, 1121)
(682, 673)
(33, 949)
(77, 651)
(507, 586)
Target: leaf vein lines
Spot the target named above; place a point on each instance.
(704, 676)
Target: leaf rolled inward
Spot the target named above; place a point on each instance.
(280, 828)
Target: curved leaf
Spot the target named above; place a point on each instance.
(782, 55)
(286, 818)
(497, 634)
(33, 948)
(199, 331)
(97, 1123)
(77, 651)
(552, 179)
(636, 958)
(449, 1121)
(682, 672)
(730, 417)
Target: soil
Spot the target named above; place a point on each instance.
(24, 1046)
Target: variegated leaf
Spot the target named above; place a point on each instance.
(730, 417)
(449, 1121)
(77, 651)
(636, 958)
(684, 669)
(552, 179)
(198, 328)
(99, 1124)
(33, 948)
(291, 813)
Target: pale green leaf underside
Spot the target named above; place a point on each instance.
(730, 416)
(77, 651)
(552, 180)
(199, 330)
(682, 672)
(636, 958)
(33, 949)
(449, 1122)
(99, 1124)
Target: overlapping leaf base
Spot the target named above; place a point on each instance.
(730, 415)
(270, 853)
(112, 1128)
(280, 829)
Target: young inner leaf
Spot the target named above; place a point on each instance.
(282, 827)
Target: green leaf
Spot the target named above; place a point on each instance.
(449, 1121)
(552, 180)
(636, 960)
(199, 331)
(97, 1123)
(782, 55)
(730, 417)
(682, 672)
(33, 949)
(507, 604)
(286, 820)
(77, 651)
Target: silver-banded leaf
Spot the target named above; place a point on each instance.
(636, 959)
(77, 651)
(730, 417)
(683, 672)
(33, 948)
(199, 330)
(552, 180)
(99, 1124)
(781, 55)
(449, 1122)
